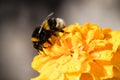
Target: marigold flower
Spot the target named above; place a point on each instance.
(83, 52)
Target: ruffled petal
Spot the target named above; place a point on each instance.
(83, 52)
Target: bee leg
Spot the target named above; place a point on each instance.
(41, 49)
(49, 42)
(41, 52)
(61, 30)
(55, 35)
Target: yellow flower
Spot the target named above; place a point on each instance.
(83, 52)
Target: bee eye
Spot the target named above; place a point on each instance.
(52, 23)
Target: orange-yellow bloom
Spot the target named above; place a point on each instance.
(83, 52)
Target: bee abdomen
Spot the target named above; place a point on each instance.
(60, 23)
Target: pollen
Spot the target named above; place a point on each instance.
(82, 52)
(34, 39)
(46, 26)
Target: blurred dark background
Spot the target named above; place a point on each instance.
(19, 18)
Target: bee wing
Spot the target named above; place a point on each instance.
(45, 21)
(49, 16)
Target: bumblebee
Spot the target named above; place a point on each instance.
(49, 27)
